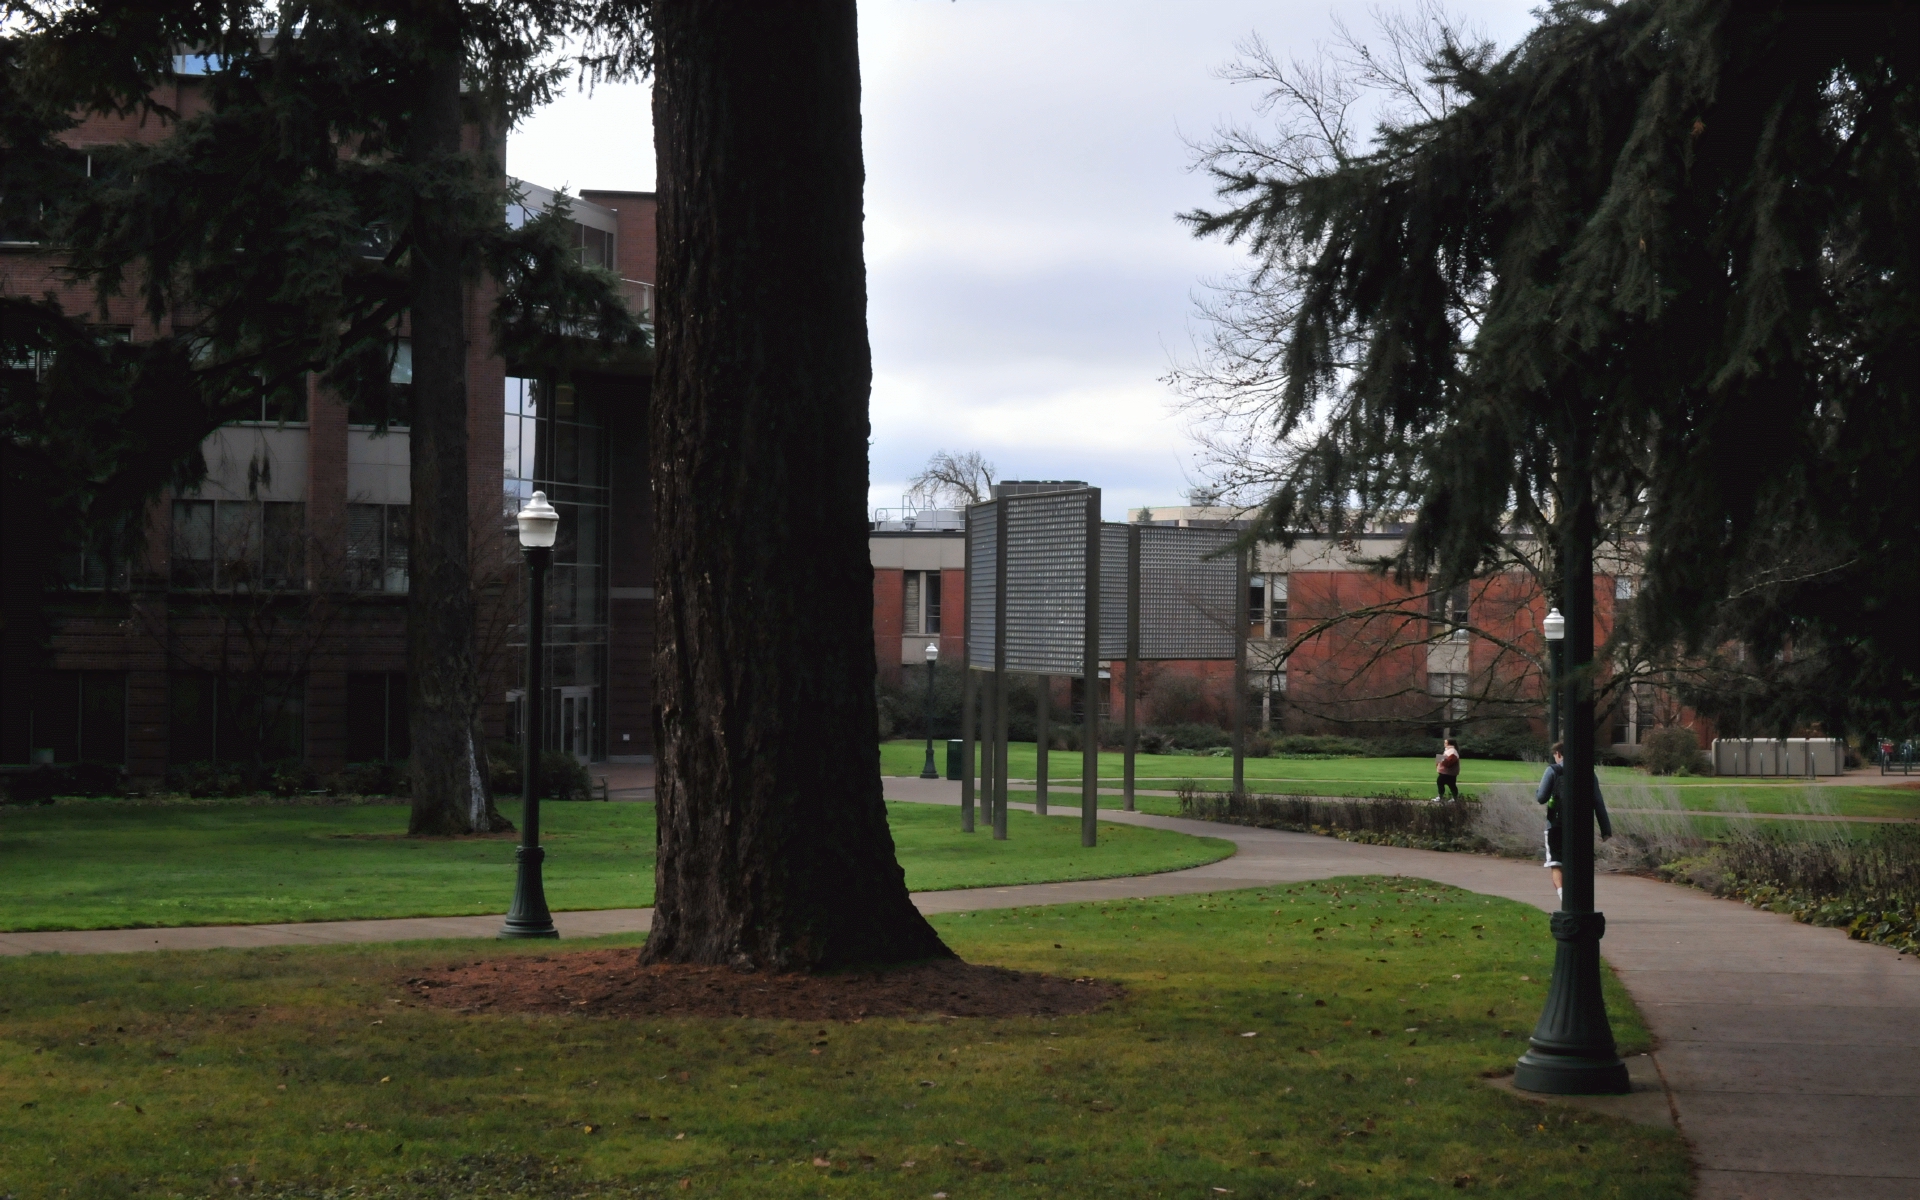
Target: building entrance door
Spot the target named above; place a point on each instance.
(575, 733)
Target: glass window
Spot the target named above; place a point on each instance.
(377, 717)
(235, 719)
(192, 549)
(930, 589)
(1448, 614)
(1622, 587)
(284, 546)
(81, 716)
(98, 562)
(399, 399)
(910, 602)
(1452, 688)
(377, 540)
(239, 544)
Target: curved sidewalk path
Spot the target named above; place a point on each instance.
(1791, 1054)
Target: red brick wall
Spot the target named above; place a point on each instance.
(636, 250)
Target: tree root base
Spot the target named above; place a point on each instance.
(612, 983)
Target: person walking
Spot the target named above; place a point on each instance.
(1553, 794)
(1447, 766)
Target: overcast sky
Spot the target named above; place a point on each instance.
(1029, 286)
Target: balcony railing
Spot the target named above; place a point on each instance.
(639, 297)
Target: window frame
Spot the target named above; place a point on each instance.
(259, 551)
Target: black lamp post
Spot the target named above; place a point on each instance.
(1572, 1052)
(933, 656)
(1554, 627)
(529, 918)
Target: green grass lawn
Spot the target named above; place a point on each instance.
(107, 864)
(283, 1072)
(1414, 777)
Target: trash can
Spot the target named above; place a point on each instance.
(956, 757)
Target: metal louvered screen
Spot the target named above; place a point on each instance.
(1189, 601)
(982, 534)
(1047, 583)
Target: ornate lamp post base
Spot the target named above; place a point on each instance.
(529, 918)
(1573, 1052)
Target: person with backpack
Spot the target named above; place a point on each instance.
(1553, 794)
(1447, 765)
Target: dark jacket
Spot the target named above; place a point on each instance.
(1553, 790)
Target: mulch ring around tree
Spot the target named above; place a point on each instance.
(613, 983)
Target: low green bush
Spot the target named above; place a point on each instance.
(373, 779)
(1193, 735)
(562, 777)
(1422, 824)
(202, 780)
(1868, 885)
(1671, 750)
(42, 783)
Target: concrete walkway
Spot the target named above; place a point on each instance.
(1791, 1054)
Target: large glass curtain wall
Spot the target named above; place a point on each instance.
(556, 442)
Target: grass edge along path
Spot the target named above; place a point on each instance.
(1411, 778)
(1312, 1039)
(112, 865)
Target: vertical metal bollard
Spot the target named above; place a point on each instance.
(1090, 649)
(969, 695)
(1000, 671)
(1133, 661)
(1239, 708)
(1043, 705)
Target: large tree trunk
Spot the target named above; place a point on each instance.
(774, 847)
(449, 779)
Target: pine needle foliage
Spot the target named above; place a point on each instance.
(1662, 253)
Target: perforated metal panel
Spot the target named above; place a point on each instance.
(1047, 582)
(1189, 594)
(982, 537)
(1113, 591)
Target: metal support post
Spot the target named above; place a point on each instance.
(969, 697)
(1573, 1051)
(1239, 707)
(1000, 756)
(1131, 736)
(1090, 649)
(529, 918)
(1000, 671)
(1042, 711)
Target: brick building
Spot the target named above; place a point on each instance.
(919, 588)
(1389, 657)
(263, 614)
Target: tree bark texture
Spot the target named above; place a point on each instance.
(774, 851)
(451, 793)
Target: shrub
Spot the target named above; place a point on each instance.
(1426, 824)
(1259, 745)
(204, 779)
(562, 777)
(1325, 745)
(1869, 885)
(1672, 750)
(38, 786)
(1176, 699)
(1192, 735)
(373, 779)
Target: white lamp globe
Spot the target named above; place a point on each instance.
(1555, 625)
(538, 523)
(933, 651)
